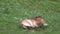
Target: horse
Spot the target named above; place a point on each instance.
(33, 23)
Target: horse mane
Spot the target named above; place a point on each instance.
(39, 17)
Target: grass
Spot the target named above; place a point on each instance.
(12, 12)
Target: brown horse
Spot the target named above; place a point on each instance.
(33, 23)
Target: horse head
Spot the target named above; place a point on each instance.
(40, 20)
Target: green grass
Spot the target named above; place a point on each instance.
(12, 12)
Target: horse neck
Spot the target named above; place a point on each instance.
(36, 22)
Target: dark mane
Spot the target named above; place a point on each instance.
(39, 17)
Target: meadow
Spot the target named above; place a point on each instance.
(12, 12)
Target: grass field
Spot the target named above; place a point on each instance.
(12, 12)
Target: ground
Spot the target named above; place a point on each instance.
(12, 12)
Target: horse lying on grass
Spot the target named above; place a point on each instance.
(32, 24)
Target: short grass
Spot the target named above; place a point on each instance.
(12, 12)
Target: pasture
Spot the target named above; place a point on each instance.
(12, 12)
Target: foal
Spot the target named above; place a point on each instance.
(33, 23)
